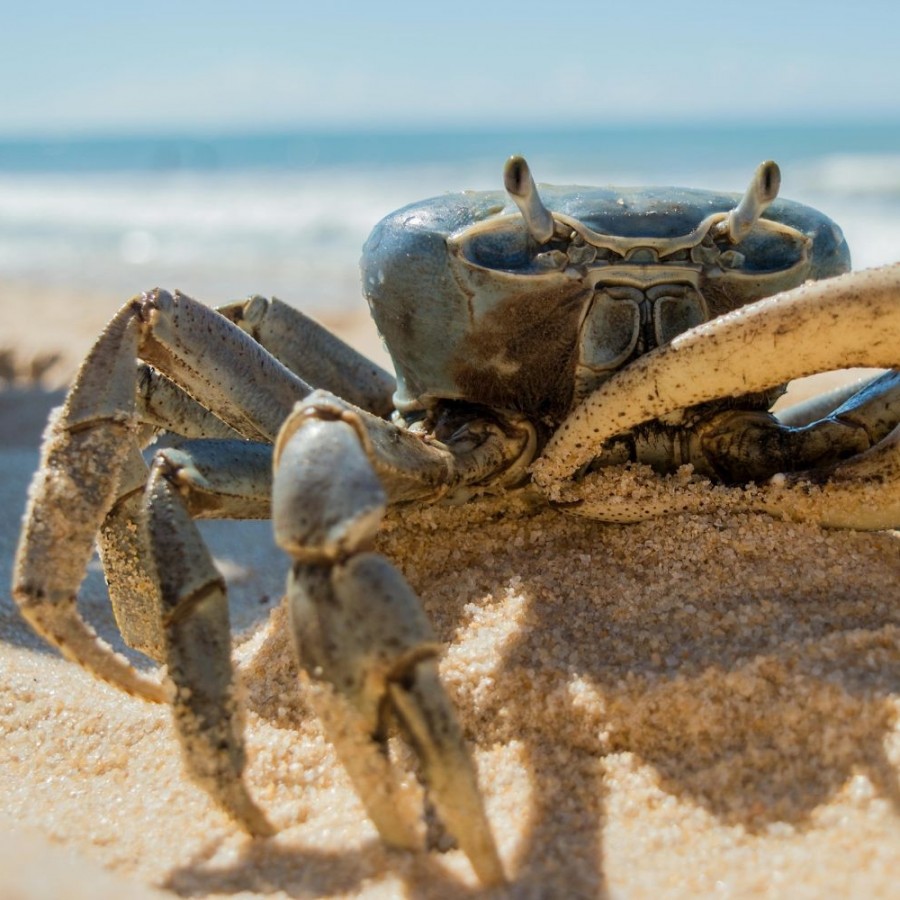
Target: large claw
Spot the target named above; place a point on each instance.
(851, 320)
(363, 636)
(364, 639)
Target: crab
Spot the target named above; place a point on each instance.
(539, 338)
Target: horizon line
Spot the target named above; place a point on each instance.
(221, 130)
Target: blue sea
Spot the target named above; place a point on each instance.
(285, 214)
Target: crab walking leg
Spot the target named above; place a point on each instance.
(820, 406)
(218, 364)
(863, 492)
(95, 435)
(122, 540)
(222, 479)
(124, 550)
(85, 447)
(362, 635)
(197, 638)
(852, 320)
(742, 445)
(162, 405)
(314, 353)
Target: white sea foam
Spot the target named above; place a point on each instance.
(298, 234)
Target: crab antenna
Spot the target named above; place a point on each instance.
(762, 190)
(521, 187)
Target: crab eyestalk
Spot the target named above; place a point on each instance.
(521, 187)
(761, 191)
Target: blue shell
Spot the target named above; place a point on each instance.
(469, 310)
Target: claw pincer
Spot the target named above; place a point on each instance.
(363, 638)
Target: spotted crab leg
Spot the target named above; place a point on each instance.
(122, 542)
(94, 438)
(194, 608)
(90, 460)
(851, 320)
(84, 451)
(361, 633)
(218, 478)
(306, 349)
(314, 353)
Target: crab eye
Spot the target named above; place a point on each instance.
(521, 187)
(761, 191)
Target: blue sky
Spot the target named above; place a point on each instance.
(200, 65)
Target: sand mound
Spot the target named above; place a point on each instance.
(697, 706)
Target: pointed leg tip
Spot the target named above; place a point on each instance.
(449, 770)
(259, 826)
(247, 814)
(477, 842)
(59, 623)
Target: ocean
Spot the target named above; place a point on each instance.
(285, 214)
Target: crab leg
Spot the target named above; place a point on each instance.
(223, 479)
(125, 553)
(821, 405)
(314, 353)
(361, 633)
(164, 406)
(84, 450)
(851, 320)
(122, 542)
(744, 445)
(95, 436)
(194, 607)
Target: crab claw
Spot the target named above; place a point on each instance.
(843, 322)
(521, 187)
(364, 639)
(367, 646)
(851, 320)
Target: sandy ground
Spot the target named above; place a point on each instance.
(701, 706)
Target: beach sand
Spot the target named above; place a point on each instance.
(696, 706)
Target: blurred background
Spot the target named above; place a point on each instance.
(229, 148)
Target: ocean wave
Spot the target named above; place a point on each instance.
(851, 174)
(298, 234)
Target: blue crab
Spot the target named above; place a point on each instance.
(539, 338)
